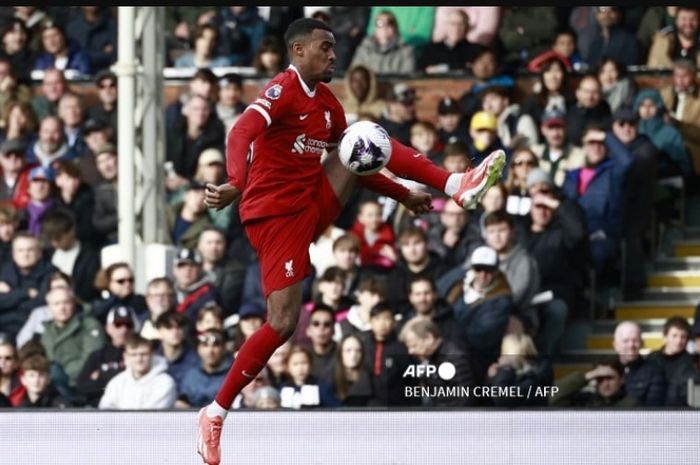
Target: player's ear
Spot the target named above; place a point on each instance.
(298, 48)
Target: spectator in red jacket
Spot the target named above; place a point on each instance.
(376, 237)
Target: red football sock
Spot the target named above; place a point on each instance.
(251, 359)
(406, 162)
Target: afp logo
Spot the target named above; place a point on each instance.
(446, 371)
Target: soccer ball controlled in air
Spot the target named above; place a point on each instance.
(365, 148)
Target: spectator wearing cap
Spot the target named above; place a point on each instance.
(599, 188)
(451, 124)
(515, 128)
(679, 40)
(240, 326)
(454, 51)
(53, 86)
(400, 112)
(106, 362)
(228, 274)
(116, 285)
(14, 174)
(23, 282)
(557, 155)
(105, 218)
(52, 145)
(485, 71)
(383, 50)
(71, 255)
(41, 198)
(361, 95)
(241, 30)
(230, 104)
(144, 383)
(194, 289)
(187, 219)
(483, 132)
(551, 91)
(14, 45)
(61, 52)
(638, 201)
(555, 237)
(71, 110)
(105, 109)
(203, 53)
(526, 32)
(172, 345)
(618, 88)
(608, 378)
(589, 107)
(94, 29)
(196, 129)
(675, 360)
(200, 384)
(69, 339)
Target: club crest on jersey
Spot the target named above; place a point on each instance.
(274, 92)
(328, 119)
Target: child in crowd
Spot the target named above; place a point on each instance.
(376, 237)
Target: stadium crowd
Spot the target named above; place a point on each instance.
(490, 290)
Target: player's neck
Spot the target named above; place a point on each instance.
(310, 83)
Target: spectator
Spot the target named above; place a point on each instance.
(171, 327)
(203, 83)
(555, 154)
(638, 202)
(15, 47)
(179, 21)
(52, 146)
(241, 32)
(116, 286)
(675, 361)
(105, 217)
(14, 174)
(187, 219)
(266, 398)
(608, 376)
(271, 58)
(424, 139)
(451, 124)
(370, 292)
(71, 111)
(455, 236)
(71, 255)
(211, 169)
(94, 29)
(383, 50)
(618, 88)
(376, 238)
(485, 71)
(677, 41)
(525, 32)
(424, 341)
(41, 199)
(33, 328)
(106, 362)
(400, 112)
(39, 391)
(96, 133)
(10, 385)
(200, 383)
(352, 379)
(655, 19)
(483, 23)
(303, 389)
(589, 107)
(556, 238)
(69, 339)
(563, 49)
(251, 317)
(196, 129)
(230, 104)
(144, 383)
(35, 18)
(483, 304)
(319, 331)
(14, 93)
(551, 90)
(425, 302)
(9, 223)
(519, 365)
(349, 24)
(599, 188)
(454, 51)
(77, 198)
(19, 121)
(415, 24)
(515, 128)
(246, 399)
(60, 52)
(361, 96)
(105, 109)
(416, 260)
(193, 288)
(683, 103)
(203, 55)
(229, 275)
(53, 86)
(331, 292)
(644, 380)
(495, 200)
(524, 161)
(346, 254)
(610, 39)
(160, 298)
(483, 130)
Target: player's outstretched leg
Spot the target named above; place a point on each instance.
(477, 181)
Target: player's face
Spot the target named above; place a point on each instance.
(319, 55)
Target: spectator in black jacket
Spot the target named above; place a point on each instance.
(322, 346)
(78, 198)
(588, 107)
(106, 108)
(36, 379)
(644, 380)
(455, 237)
(71, 255)
(675, 361)
(229, 274)
(95, 30)
(352, 381)
(105, 217)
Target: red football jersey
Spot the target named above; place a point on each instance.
(285, 168)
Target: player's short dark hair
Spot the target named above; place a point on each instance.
(303, 27)
(498, 217)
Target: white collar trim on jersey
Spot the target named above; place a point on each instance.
(309, 92)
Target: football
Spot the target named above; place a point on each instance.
(365, 148)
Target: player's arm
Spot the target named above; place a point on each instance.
(247, 128)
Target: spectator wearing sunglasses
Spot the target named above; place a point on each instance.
(200, 383)
(323, 347)
(116, 286)
(557, 155)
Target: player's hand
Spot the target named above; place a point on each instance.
(220, 196)
(418, 202)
